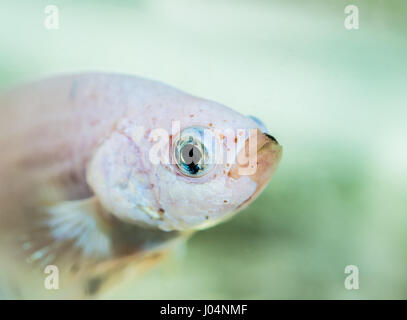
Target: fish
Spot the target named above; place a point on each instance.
(103, 176)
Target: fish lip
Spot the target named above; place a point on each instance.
(270, 137)
(268, 156)
(275, 151)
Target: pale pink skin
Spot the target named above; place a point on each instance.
(55, 126)
(78, 136)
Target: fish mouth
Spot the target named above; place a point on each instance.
(261, 160)
(270, 137)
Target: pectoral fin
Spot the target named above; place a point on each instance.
(90, 247)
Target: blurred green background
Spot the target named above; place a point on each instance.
(334, 98)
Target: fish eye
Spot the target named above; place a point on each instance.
(193, 152)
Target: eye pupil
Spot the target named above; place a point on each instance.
(191, 154)
(193, 158)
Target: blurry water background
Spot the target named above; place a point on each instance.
(334, 98)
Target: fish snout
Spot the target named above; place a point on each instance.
(258, 159)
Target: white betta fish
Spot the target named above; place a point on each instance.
(103, 174)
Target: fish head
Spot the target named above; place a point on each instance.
(186, 166)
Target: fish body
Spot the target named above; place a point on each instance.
(105, 173)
